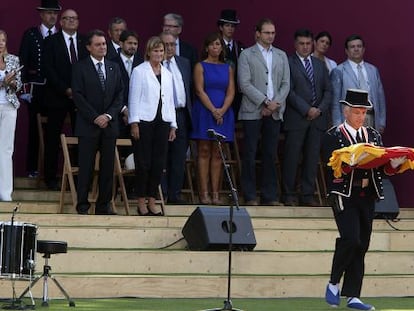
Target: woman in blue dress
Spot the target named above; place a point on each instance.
(214, 87)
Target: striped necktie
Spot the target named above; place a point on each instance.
(309, 73)
(101, 75)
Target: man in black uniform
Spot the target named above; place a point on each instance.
(31, 53)
(352, 197)
(227, 24)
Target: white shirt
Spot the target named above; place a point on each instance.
(125, 59)
(268, 57)
(302, 59)
(354, 67)
(177, 47)
(45, 31)
(116, 46)
(67, 41)
(95, 62)
(228, 44)
(178, 82)
(353, 131)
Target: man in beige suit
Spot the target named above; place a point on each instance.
(264, 79)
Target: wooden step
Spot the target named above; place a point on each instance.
(78, 261)
(28, 206)
(178, 221)
(117, 256)
(194, 286)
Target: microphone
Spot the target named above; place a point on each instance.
(213, 134)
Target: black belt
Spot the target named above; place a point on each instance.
(181, 109)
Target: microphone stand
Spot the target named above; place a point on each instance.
(227, 303)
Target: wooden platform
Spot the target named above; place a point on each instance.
(118, 256)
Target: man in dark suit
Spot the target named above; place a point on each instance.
(173, 24)
(30, 54)
(116, 26)
(306, 119)
(177, 149)
(97, 93)
(62, 50)
(227, 24)
(127, 60)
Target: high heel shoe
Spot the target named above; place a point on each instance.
(142, 208)
(151, 208)
(205, 198)
(216, 199)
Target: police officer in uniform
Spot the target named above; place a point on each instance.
(352, 197)
(31, 49)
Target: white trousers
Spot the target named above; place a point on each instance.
(8, 116)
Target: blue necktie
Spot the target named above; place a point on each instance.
(101, 75)
(309, 72)
(174, 90)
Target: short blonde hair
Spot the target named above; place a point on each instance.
(153, 43)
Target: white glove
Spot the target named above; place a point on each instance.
(396, 162)
(355, 161)
(26, 97)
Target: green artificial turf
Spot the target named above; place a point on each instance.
(285, 304)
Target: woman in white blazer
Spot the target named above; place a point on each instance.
(151, 114)
(10, 83)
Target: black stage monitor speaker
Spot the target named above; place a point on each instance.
(208, 229)
(389, 207)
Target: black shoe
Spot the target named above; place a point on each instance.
(151, 213)
(105, 212)
(177, 201)
(52, 185)
(82, 211)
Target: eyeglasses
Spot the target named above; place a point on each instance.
(67, 18)
(171, 26)
(170, 44)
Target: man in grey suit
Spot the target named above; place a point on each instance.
(263, 76)
(177, 150)
(305, 119)
(355, 73)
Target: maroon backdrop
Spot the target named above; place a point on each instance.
(382, 26)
